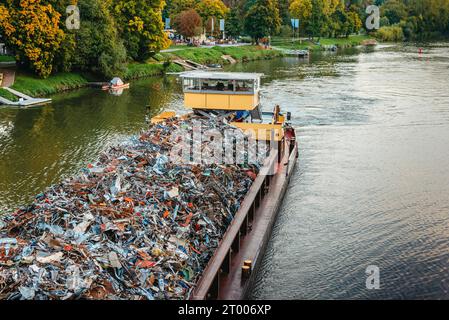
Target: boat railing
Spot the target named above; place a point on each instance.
(208, 286)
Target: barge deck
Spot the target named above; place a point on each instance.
(247, 237)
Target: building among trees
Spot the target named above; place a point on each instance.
(3, 49)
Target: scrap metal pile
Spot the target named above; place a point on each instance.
(131, 226)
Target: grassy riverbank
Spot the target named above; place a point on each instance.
(289, 43)
(142, 70)
(37, 87)
(215, 54)
(7, 95)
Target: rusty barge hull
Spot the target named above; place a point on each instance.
(247, 237)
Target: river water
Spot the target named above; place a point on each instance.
(372, 182)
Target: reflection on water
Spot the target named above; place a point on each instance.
(372, 183)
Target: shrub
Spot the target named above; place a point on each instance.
(390, 34)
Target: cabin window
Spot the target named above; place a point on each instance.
(191, 84)
(214, 85)
(244, 86)
(217, 85)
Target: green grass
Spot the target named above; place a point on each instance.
(287, 43)
(8, 95)
(33, 86)
(7, 59)
(179, 46)
(137, 70)
(354, 40)
(158, 57)
(214, 54)
(247, 53)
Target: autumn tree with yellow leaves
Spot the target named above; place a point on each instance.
(31, 29)
(325, 18)
(141, 27)
(111, 33)
(210, 12)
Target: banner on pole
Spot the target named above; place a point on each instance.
(167, 23)
(295, 23)
(222, 24)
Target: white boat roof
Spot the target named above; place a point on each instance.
(221, 75)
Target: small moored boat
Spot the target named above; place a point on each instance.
(116, 84)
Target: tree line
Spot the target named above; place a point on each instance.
(410, 19)
(111, 33)
(115, 32)
(413, 19)
(261, 18)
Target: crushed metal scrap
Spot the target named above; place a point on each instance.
(131, 226)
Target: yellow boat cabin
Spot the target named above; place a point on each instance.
(221, 90)
(234, 97)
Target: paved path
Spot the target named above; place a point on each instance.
(8, 77)
(205, 46)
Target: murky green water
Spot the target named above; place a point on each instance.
(372, 184)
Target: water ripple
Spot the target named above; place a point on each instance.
(371, 187)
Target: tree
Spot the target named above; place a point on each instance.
(31, 30)
(64, 56)
(208, 9)
(331, 6)
(262, 19)
(284, 11)
(211, 8)
(354, 23)
(394, 10)
(332, 24)
(233, 24)
(188, 23)
(141, 27)
(320, 17)
(175, 7)
(5, 18)
(302, 10)
(98, 48)
(316, 20)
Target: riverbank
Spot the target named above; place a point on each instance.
(8, 95)
(36, 87)
(319, 45)
(162, 64)
(218, 54)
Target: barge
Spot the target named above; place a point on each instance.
(235, 98)
(136, 225)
